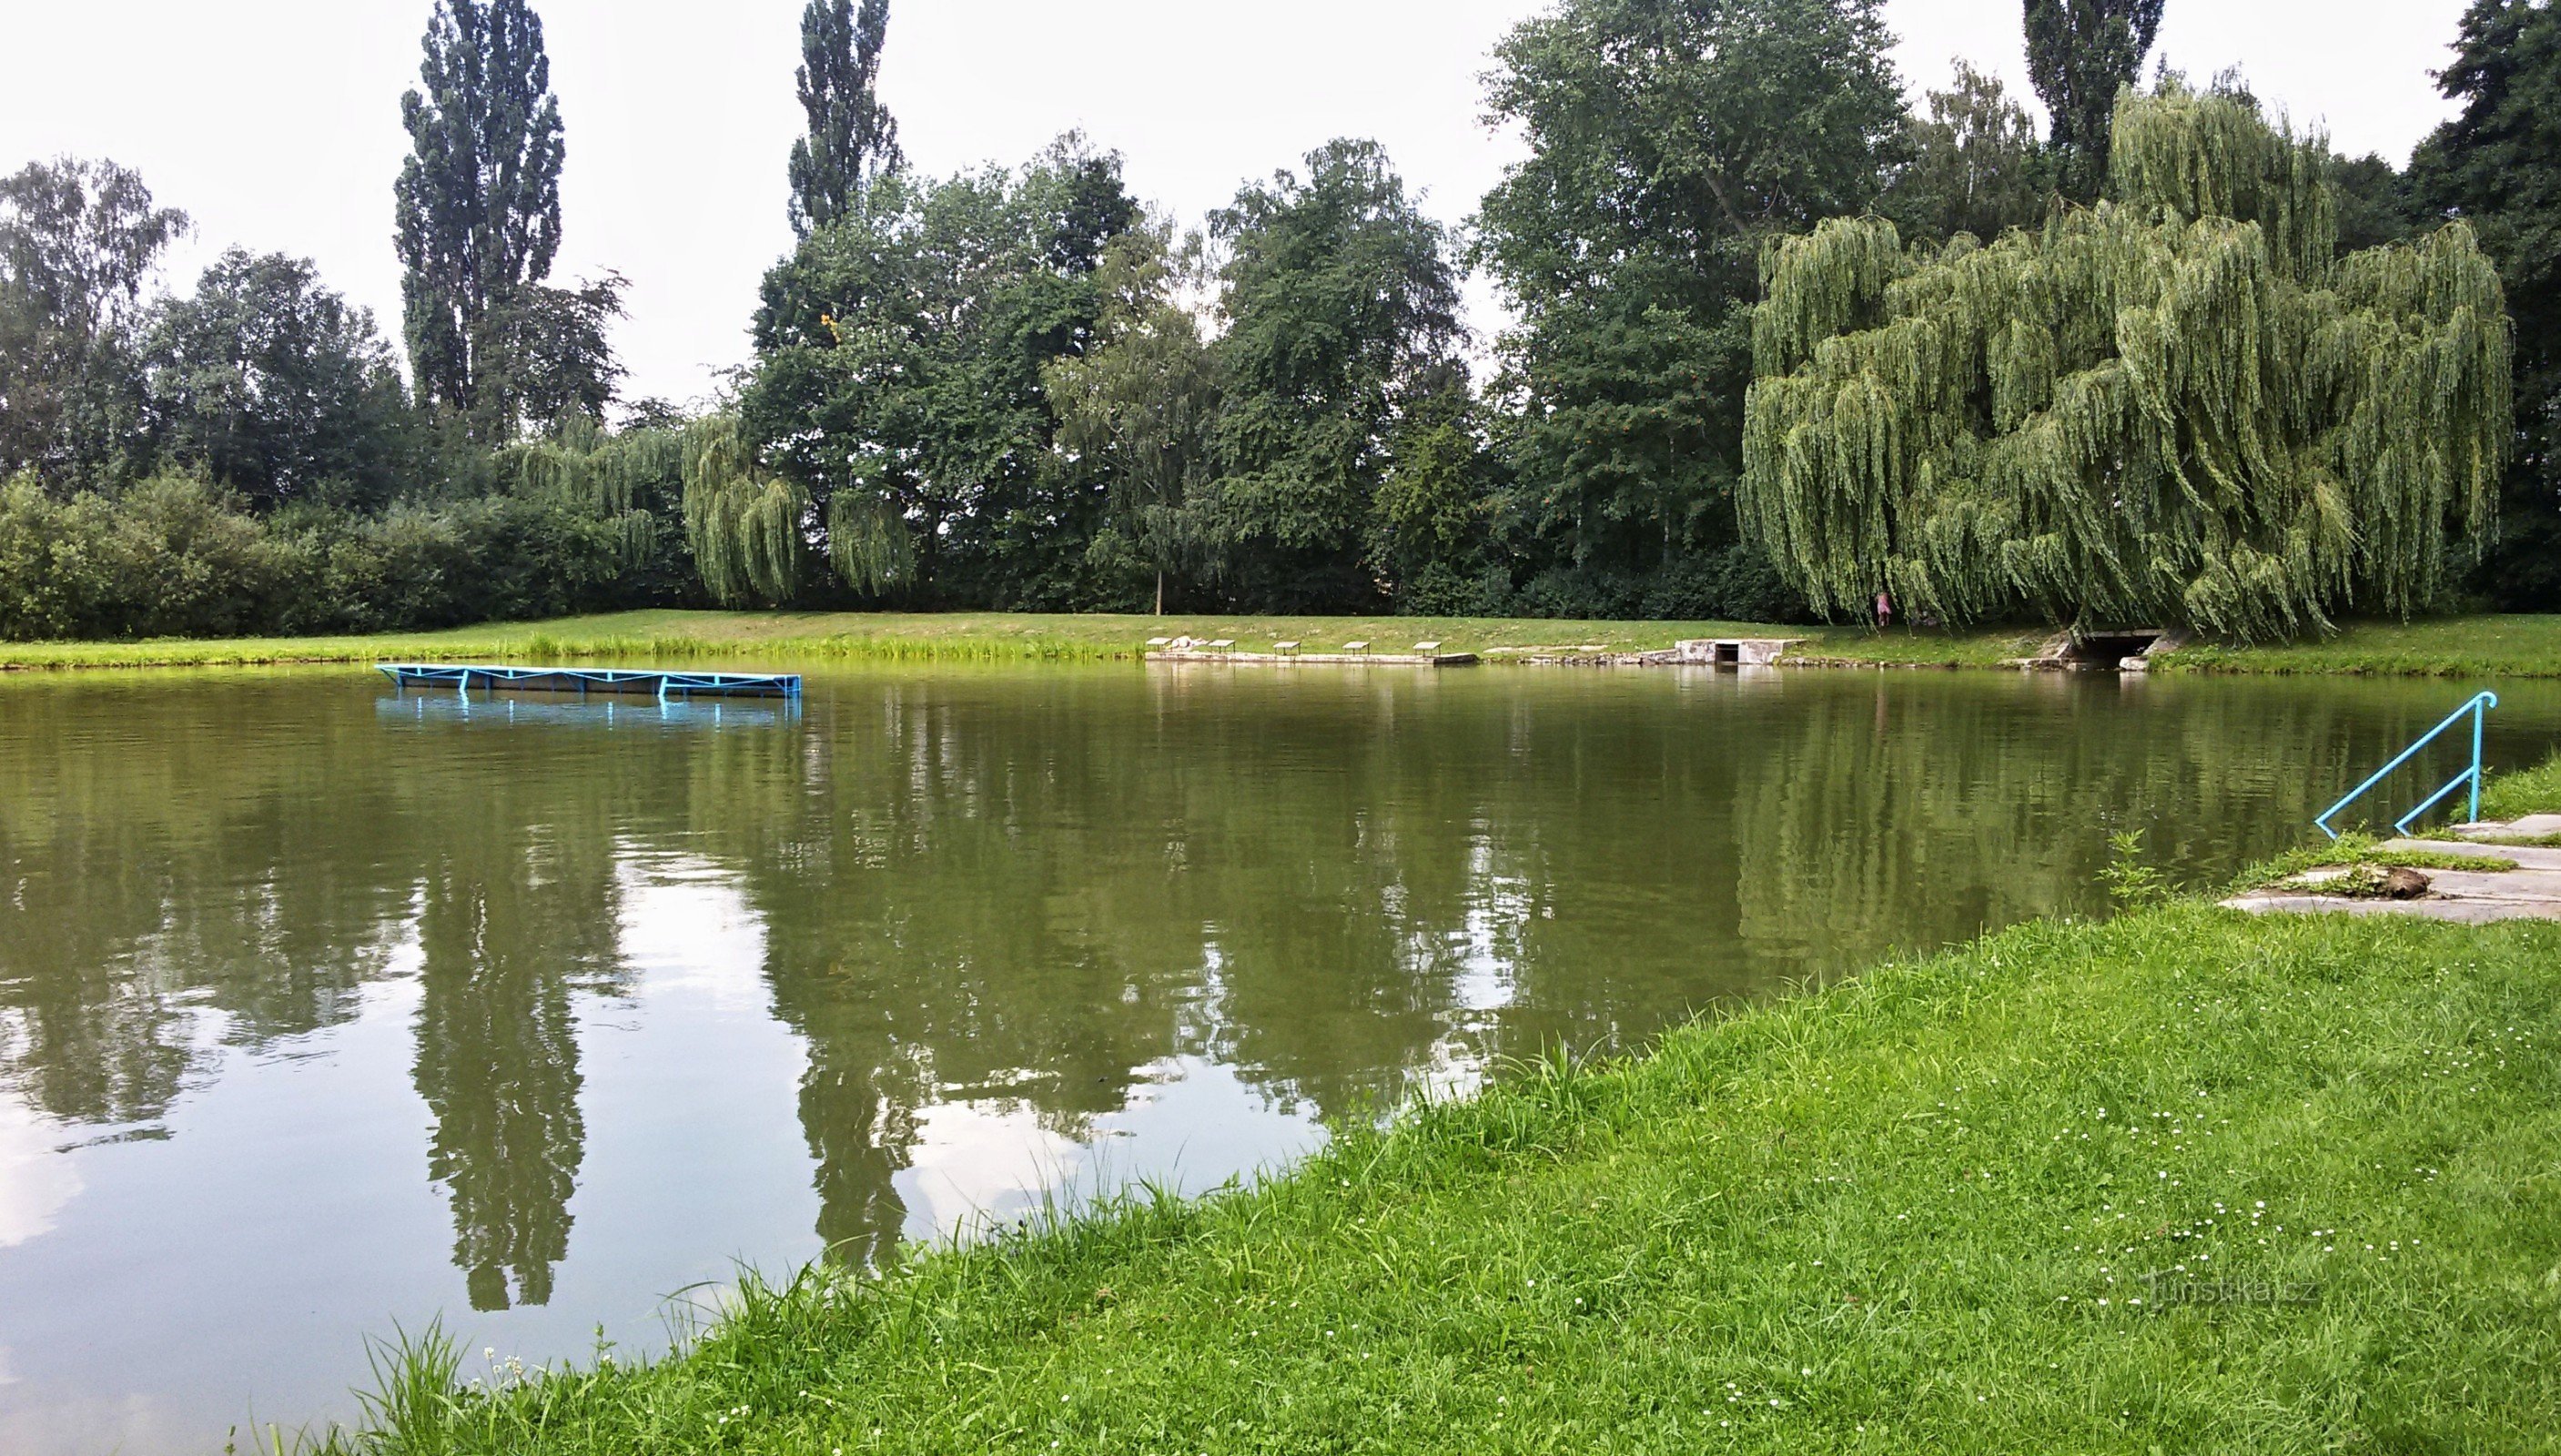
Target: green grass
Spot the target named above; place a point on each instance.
(1914, 1212)
(2446, 647)
(2460, 647)
(988, 637)
(2512, 796)
(2357, 851)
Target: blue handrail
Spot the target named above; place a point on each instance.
(2479, 710)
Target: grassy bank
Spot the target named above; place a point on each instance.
(2463, 647)
(2448, 647)
(2186, 1182)
(986, 638)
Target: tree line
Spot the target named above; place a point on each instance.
(1019, 388)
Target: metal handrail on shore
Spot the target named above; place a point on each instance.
(2479, 710)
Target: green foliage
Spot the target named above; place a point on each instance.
(2508, 797)
(478, 212)
(1973, 165)
(76, 241)
(746, 526)
(172, 555)
(2081, 55)
(1428, 537)
(1667, 141)
(899, 380)
(274, 387)
(2174, 409)
(2374, 207)
(852, 138)
(1342, 310)
(549, 357)
(2498, 165)
(633, 483)
(2132, 882)
(1141, 405)
(2362, 853)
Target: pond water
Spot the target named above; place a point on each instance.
(325, 1010)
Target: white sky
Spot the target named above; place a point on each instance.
(275, 123)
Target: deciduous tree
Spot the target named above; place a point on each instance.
(1971, 165)
(78, 241)
(1342, 303)
(479, 210)
(1668, 139)
(2181, 408)
(852, 138)
(1142, 405)
(899, 380)
(2498, 165)
(2080, 54)
(274, 386)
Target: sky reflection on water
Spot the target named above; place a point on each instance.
(325, 1010)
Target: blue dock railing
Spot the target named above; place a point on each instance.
(2478, 711)
(658, 684)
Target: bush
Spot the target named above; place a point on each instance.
(170, 558)
(173, 556)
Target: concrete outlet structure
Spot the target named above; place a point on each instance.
(1733, 651)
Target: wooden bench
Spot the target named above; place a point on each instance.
(1361, 648)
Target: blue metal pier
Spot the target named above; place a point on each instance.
(581, 680)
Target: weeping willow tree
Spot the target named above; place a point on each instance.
(746, 527)
(623, 479)
(751, 529)
(2179, 407)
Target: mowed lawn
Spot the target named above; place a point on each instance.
(2487, 646)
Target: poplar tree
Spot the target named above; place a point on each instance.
(2178, 408)
(2080, 54)
(852, 138)
(479, 210)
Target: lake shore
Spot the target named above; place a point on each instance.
(2485, 646)
(2185, 1181)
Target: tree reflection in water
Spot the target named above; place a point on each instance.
(1024, 891)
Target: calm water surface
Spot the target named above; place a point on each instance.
(324, 1010)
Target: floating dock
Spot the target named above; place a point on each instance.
(582, 681)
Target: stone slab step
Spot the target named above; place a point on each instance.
(2458, 912)
(2524, 858)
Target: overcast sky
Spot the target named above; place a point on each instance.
(275, 123)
